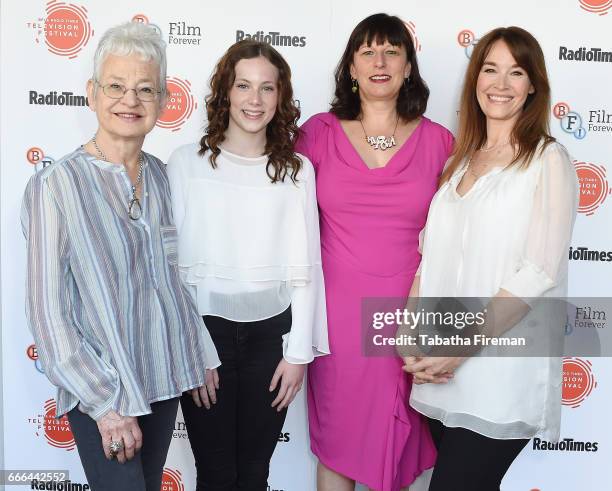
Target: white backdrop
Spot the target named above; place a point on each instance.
(46, 59)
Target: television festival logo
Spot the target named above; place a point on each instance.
(594, 187)
(57, 432)
(180, 103)
(412, 30)
(65, 28)
(36, 156)
(172, 480)
(599, 7)
(578, 381)
(32, 353)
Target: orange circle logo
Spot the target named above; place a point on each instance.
(179, 104)
(599, 7)
(143, 19)
(594, 188)
(34, 155)
(465, 38)
(32, 352)
(560, 110)
(172, 480)
(578, 381)
(57, 431)
(66, 28)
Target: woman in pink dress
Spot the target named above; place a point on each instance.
(374, 193)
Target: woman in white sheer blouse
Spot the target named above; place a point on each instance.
(499, 227)
(246, 212)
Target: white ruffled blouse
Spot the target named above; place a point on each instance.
(251, 248)
(511, 230)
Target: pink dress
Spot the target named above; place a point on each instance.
(361, 425)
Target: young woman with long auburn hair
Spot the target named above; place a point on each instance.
(498, 228)
(246, 213)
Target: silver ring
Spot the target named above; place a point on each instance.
(114, 447)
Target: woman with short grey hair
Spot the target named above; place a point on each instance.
(116, 330)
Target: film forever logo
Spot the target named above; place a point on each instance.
(599, 7)
(57, 432)
(65, 28)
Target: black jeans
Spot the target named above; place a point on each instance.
(144, 471)
(234, 440)
(469, 461)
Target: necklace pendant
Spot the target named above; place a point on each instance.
(381, 142)
(135, 209)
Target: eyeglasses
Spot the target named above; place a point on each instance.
(117, 91)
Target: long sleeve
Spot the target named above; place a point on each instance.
(69, 361)
(177, 177)
(308, 335)
(544, 260)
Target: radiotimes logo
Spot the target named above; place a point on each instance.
(599, 7)
(275, 38)
(565, 445)
(32, 353)
(467, 40)
(172, 480)
(180, 103)
(65, 28)
(412, 30)
(594, 187)
(578, 381)
(57, 98)
(586, 254)
(36, 156)
(581, 53)
(57, 432)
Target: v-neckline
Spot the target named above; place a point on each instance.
(391, 163)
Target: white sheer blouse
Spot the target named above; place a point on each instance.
(510, 231)
(250, 248)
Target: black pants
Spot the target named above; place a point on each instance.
(144, 471)
(469, 461)
(234, 440)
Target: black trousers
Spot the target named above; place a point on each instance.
(469, 461)
(234, 440)
(144, 471)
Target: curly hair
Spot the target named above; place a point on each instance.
(380, 28)
(282, 130)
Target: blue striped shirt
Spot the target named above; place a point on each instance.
(114, 325)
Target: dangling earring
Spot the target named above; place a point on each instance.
(355, 86)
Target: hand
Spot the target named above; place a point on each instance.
(206, 394)
(437, 370)
(291, 377)
(117, 428)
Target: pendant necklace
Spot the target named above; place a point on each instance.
(380, 142)
(134, 207)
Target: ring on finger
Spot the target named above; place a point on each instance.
(114, 447)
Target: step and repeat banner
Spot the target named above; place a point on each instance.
(46, 59)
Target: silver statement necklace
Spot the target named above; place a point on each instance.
(380, 142)
(134, 207)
